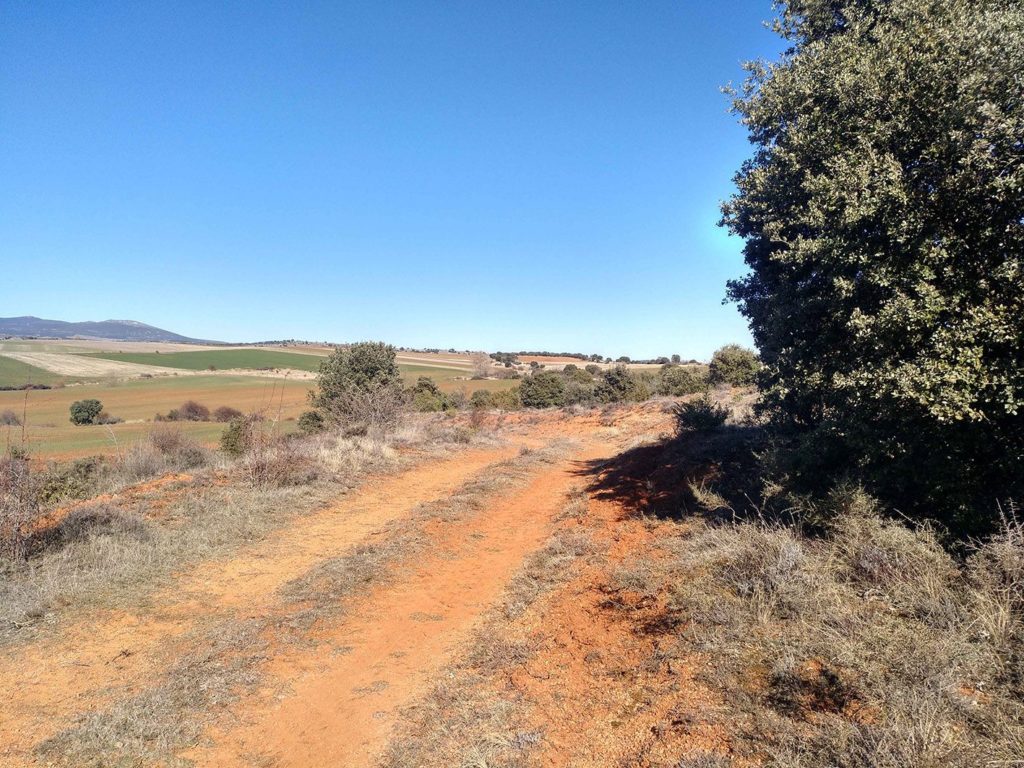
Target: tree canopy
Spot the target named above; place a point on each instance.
(883, 214)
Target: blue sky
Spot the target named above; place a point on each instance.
(514, 175)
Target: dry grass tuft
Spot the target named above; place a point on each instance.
(20, 507)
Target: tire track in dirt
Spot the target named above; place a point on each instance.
(341, 708)
(44, 685)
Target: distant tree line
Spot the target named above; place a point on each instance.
(359, 388)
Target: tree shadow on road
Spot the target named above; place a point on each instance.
(664, 479)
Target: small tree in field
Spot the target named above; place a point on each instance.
(360, 387)
(85, 411)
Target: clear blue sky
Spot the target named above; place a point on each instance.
(513, 175)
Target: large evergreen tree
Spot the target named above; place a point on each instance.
(883, 213)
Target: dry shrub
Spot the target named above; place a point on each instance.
(77, 479)
(166, 440)
(9, 418)
(140, 462)
(165, 449)
(100, 519)
(477, 418)
(85, 522)
(363, 411)
(20, 509)
(347, 456)
(190, 410)
(226, 413)
(276, 463)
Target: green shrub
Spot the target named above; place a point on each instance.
(76, 480)
(676, 381)
(620, 384)
(311, 423)
(700, 415)
(733, 364)
(85, 411)
(426, 397)
(237, 437)
(481, 399)
(360, 387)
(507, 399)
(544, 389)
(580, 392)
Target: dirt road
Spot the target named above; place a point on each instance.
(445, 538)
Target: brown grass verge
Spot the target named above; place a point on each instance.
(867, 646)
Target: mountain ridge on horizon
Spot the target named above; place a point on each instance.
(112, 330)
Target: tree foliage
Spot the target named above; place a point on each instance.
(882, 213)
(543, 389)
(360, 387)
(733, 364)
(85, 411)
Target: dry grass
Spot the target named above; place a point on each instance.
(868, 646)
(150, 727)
(20, 507)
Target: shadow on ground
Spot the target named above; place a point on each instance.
(659, 478)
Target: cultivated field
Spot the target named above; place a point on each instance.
(49, 434)
(137, 380)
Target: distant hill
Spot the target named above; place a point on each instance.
(116, 330)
